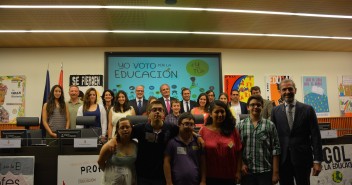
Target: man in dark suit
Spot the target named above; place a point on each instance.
(236, 106)
(299, 135)
(139, 104)
(187, 104)
(166, 99)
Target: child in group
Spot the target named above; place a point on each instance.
(173, 117)
(261, 148)
(184, 160)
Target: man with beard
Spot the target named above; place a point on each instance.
(299, 137)
(152, 140)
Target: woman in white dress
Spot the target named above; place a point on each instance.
(121, 109)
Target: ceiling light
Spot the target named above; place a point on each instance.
(172, 8)
(178, 32)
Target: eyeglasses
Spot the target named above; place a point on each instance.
(219, 111)
(255, 105)
(157, 109)
(188, 124)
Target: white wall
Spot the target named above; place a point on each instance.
(33, 62)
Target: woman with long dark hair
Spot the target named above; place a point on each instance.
(119, 165)
(120, 110)
(90, 107)
(222, 146)
(108, 101)
(55, 113)
(203, 106)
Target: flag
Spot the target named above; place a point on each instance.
(45, 98)
(61, 77)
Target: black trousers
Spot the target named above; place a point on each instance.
(288, 172)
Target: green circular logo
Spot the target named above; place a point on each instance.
(197, 67)
(337, 176)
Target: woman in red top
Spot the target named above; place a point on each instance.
(222, 146)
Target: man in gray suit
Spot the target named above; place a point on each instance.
(299, 136)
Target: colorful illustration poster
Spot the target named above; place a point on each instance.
(272, 87)
(12, 98)
(242, 83)
(345, 95)
(336, 166)
(315, 94)
(17, 170)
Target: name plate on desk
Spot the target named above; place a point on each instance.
(328, 134)
(85, 142)
(10, 143)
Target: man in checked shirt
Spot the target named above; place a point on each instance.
(261, 148)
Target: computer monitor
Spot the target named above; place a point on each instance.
(27, 121)
(87, 121)
(18, 134)
(66, 136)
(139, 119)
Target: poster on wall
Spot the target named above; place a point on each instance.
(12, 98)
(17, 170)
(242, 83)
(84, 82)
(197, 71)
(315, 94)
(345, 95)
(272, 87)
(336, 167)
(78, 169)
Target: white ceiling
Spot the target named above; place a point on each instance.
(190, 21)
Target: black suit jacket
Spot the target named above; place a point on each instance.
(134, 104)
(303, 142)
(244, 109)
(164, 105)
(192, 104)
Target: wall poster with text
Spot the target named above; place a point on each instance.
(12, 98)
(345, 95)
(272, 87)
(242, 83)
(315, 94)
(84, 82)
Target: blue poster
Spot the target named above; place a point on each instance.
(199, 73)
(315, 94)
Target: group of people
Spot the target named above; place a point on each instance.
(272, 144)
(285, 147)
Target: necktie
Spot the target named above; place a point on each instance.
(187, 106)
(168, 105)
(290, 115)
(139, 105)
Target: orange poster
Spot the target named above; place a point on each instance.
(272, 87)
(242, 83)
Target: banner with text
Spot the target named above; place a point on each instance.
(336, 167)
(84, 82)
(78, 169)
(198, 72)
(17, 170)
